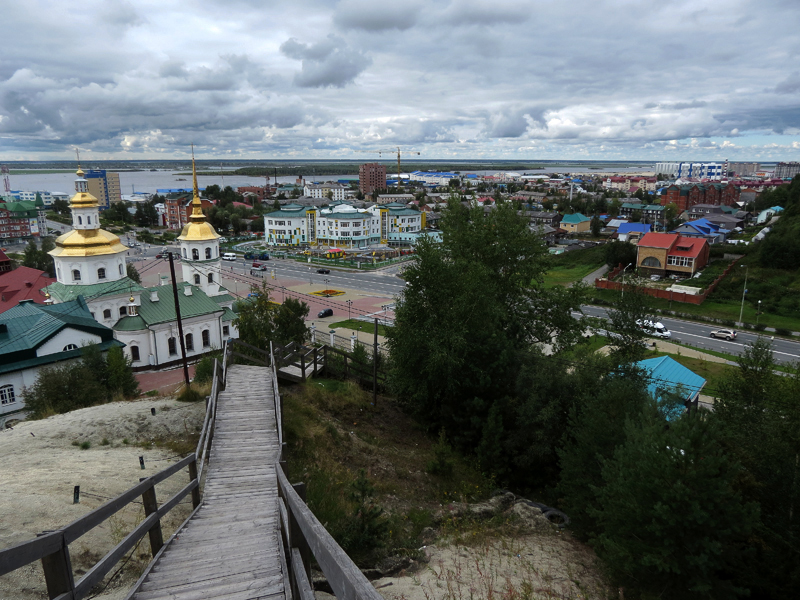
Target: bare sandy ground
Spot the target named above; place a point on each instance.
(41, 464)
(534, 565)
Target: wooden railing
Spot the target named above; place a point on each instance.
(52, 547)
(303, 536)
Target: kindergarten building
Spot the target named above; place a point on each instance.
(341, 225)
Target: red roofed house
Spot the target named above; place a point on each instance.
(671, 254)
(23, 283)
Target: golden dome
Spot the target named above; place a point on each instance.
(83, 200)
(197, 230)
(87, 242)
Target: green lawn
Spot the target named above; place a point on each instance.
(355, 325)
(570, 267)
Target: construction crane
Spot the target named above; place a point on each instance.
(406, 152)
(6, 180)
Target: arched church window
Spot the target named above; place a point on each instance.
(120, 268)
(184, 253)
(80, 221)
(195, 254)
(208, 253)
(101, 273)
(134, 353)
(88, 220)
(206, 338)
(189, 342)
(123, 311)
(107, 313)
(196, 279)
(210, 278)
(69, 347)
(76, 275)
(172, 346)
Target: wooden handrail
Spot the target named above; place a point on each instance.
(342, 574)
(52, 548)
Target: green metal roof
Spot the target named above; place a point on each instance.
(402, 212)
(163, 311)
(228, 315)
(575, 218)
(224, 298)
(130, 324)
(28, 325)
(288, 211)
(347, 215)
(66, 293)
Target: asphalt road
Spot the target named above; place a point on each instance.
(698, 336)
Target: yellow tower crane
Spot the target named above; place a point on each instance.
(399, 152)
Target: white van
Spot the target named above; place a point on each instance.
(656, 329)
(229, 256)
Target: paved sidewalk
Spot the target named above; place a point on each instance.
(167, 382)
(589, 279)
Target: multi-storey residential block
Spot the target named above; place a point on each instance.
(784, 170)
(371, 177)
(104, 186)
(687, 196)
(685, 170)
(334, 191)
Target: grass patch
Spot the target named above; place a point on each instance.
(334, 432)
(573, 266)
(354, 325)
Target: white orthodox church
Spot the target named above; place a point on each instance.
(90, 262)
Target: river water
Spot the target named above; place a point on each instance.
(150, 181)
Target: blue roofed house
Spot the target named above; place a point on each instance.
(703, 228)
(668, 376)
(631, 232)
(33, 336)
(765, 215)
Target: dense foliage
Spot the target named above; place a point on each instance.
(95, 378)
(678, 504)
(261, 321)
(38, 258)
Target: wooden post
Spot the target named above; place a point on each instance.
(375, 366)
(58, 571)
(151, 506)
(302, 365)
(345, 365)
(192, 477)
(325, 359)
(315, 360)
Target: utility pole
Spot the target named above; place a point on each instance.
(375, 366)
(178, 316)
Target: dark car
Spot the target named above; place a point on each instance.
(161, 255)
(326, 312)
(323, 271)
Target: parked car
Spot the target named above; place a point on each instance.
(260, 267)
(325, 312)
(229, 256)
(728, 334)
(655, 277)
(323, 271)
(656, 329)
(256, 264)
(161, 255)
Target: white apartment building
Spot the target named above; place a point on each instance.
(321, 190)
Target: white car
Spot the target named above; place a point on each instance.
(229, 256)
(655, 328)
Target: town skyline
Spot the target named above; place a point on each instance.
(454, 80)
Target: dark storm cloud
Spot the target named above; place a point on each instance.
(371, 16)
(588, 78)
(328, 63)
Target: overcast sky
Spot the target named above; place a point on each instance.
(546, 79)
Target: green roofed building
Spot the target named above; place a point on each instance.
(33, 336)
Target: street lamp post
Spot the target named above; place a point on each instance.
(758, 312)
(744, 293)
(623, 281)
(349, 305)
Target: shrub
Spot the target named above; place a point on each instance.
(204, 370)
(783, 331)
(442, 463)
(189, 394)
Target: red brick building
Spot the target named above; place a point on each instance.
(23, 283)
(179, 210)
(686, 196)
(371, 176)
(671, 254)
